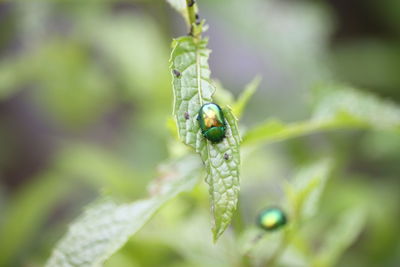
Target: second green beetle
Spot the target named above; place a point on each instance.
(212, 122)
(271, 219)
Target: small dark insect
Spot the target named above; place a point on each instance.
(176, 73)
(186, 115)
(191, 3)
(197, 19)
(191, 31)
(226, 156)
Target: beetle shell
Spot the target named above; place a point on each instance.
(271, 219)
(212, 122)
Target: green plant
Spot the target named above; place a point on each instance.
(107, 224)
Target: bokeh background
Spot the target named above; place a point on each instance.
(85, 96)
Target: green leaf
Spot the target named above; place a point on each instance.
(193, 88)
(342, 108)
(245, 96)
(305, 190)
(181, 7)
(107, 225)
(223, 175)
(274, 130)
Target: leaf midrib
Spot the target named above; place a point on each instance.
(199, 89)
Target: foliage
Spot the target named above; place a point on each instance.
(192, 89)
(106, 226)
(86, 99)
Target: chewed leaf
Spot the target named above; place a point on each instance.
(193, 88)
(222, 161)
(107, 225)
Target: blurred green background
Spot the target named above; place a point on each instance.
(85, 96)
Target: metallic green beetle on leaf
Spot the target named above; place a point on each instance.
(271, 219)
(212, 122)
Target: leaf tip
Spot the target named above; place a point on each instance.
(217, 232)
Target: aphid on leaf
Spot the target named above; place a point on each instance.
(271, 219)
(176, 73)
(186, 115)
(212, 122)
(191, 3)
(226, 156)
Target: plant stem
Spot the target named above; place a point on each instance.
(246, 255)
(191, 11)
(195, 26)
(279, 251)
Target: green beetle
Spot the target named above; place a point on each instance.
(271, 219)
(212, 122)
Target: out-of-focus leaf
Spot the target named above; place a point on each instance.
(194, 243)
(73, 88)
(181, 7)
(193, 88)
(139, 58)
(365, 107)
(343, 233)
(305, 190)
(27, 211)
(36, 201)
(245, 96)
(11, 72)
(67, 84)
(98, 168)
(336, 108)
(274, 130)
(222, 96)
(107, 225)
